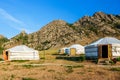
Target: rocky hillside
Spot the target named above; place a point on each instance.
(59, 33)
(54, 34)
(21, 38)
(100, 24)
(2, 41)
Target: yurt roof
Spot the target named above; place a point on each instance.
(106, 40)
(76, 46)
(64, 48)
(21, 48)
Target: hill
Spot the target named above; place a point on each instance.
(59, 33)
(2, 41)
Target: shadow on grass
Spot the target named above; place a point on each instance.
(20, 61)
(1, 59)
(72, 58)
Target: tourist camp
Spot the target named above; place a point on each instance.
(20, 52)
(107, 47)
(75, 49)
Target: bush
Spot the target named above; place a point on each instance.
(1, 50)
(94, 29)
(51, 70)
(20, 61)
(78, 66)
(112, 62)
(28, 79)
(1, 59)
(96, 61)
(82, 58)
(30, 66)
(115, 69)
(71, 25)
(117, 25)
(69, 69)
(118, 59)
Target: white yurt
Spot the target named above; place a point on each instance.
(63, 50)
(76, 49)
(107, 47)
(21, 52)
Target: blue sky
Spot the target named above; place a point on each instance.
(31, 15)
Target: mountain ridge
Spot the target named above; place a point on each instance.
(59, 33)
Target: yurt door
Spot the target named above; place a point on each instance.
(104, 51)
(72, 51)
(5, 55)
(62, 51)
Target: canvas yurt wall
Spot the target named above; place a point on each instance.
(21, 52)
(107, 47)
(91, 51)
(76, 49)
(116, 50)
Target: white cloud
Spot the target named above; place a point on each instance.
(15, 22)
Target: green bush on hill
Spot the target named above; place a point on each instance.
(117, 25)
(1, 50)
(2, 40)
(71, 25)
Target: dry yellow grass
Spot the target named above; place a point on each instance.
(68, 70)
(48, 54)
(1, 56)
(9, 71)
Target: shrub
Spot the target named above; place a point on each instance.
(82, 58)
(1, 50)
(71, 25)
(118, 59)
(1, 59)
(114, 60)
(51, 70)
(94, 29)
(96, 61)
(30, 66)
(28, 79)
(111, 62)
(12, 76)
(20, 61)
(117, 25)
(78, 66)
(69, 69)
(115, 69)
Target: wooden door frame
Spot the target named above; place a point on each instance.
(6, 55)
(70, 51)
(109, 51)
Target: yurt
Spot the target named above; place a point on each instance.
(62, 50)
(76, 49)
(20, 52)
(107, 47)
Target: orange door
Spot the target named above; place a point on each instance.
(5, 55)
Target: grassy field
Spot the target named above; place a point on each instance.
(48, 54)
(50, 68)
